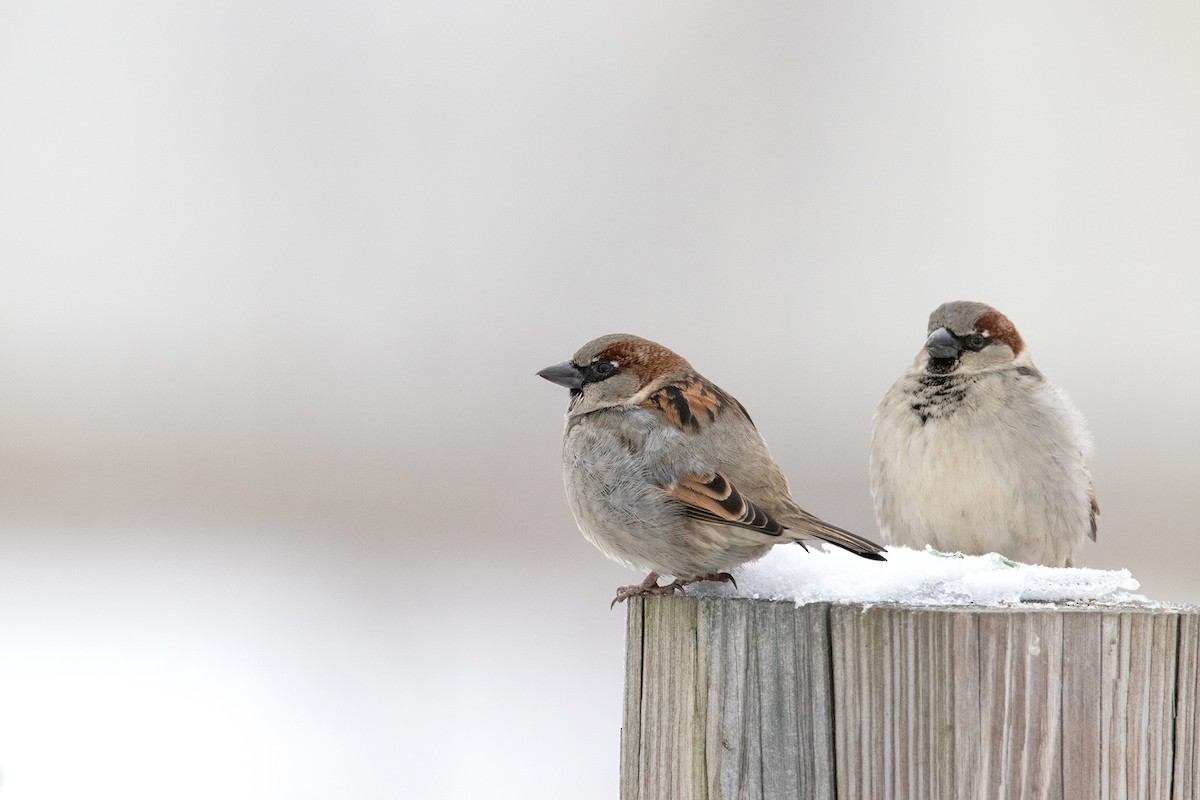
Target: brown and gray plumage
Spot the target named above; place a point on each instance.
(973, 450)
(665, 472)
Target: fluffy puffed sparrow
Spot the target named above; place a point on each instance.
(973, 450)
(665, 472)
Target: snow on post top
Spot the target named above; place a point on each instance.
(920, 578)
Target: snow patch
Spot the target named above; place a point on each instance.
(920, 578)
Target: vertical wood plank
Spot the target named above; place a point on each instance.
(1186, 773)
(936, 674)
(733, 767)
(769, 729)
(906, 695)
(631, 723)
(847, 702)
(1082, 688)
(1021, 704)
(814, 681)
(1114, 705)
(965, 728)
(1161, 665)
(1139, 663)
(857, 667)
(789, 658)
(944, 676)
(671, 757)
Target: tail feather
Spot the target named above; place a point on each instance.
(814, 528)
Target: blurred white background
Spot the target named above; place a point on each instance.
(280, 503)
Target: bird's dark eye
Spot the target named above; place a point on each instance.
(598, 371)
(976, 341)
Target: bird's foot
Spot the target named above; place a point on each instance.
(717, 577)
(650, 586)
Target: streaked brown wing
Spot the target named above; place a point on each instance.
(713, 498)
(692, 403)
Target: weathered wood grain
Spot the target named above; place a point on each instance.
(1082, 679)
(631, 726)
(1187, 711)
(768, 703)
(750, 699)
(729, 700)
(670, 750)
(1138, 665)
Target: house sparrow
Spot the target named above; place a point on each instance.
(973, 450)
(666, 473)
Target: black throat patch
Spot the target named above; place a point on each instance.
(938, 396)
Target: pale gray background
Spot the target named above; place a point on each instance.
(280, 505)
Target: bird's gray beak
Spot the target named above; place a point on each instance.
(942, 344)
(564, 374)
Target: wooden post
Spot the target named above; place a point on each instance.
(735, 698)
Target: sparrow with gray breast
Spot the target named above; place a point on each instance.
(973, 450)
(665, 472)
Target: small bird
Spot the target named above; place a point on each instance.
(665, 472)
(973, 450)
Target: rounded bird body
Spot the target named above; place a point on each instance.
(973, 450)
(665, 472)
(619, 469)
